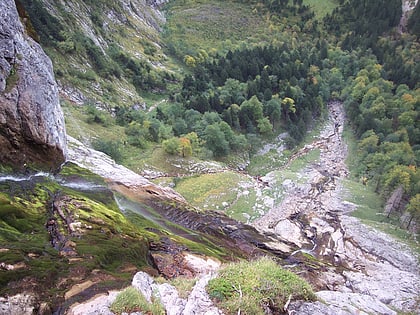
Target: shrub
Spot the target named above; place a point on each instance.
(131, 300)
(94, 115)
(112, 148)
(252, 287)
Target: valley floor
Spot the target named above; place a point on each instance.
(364, 270)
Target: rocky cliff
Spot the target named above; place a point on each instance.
(31, 121)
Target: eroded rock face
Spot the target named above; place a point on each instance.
(31, 121)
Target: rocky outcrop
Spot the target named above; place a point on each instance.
(197, 301)
(407, 7)
(102, 165)
(32, 128)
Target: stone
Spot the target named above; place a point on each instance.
(144, 283)
(356, 303)
(199, 301)
(290, 231)
(201, 265)
(102, 165)
(316, 308)
(169, 297)
(22, 304)
(32, 131)
(98, 305)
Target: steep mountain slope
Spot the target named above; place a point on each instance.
(107, 51)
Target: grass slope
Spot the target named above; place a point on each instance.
(321, 8)
(212, 25)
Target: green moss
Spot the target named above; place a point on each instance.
(12, 79)
(72, 171)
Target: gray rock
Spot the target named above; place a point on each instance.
(144, 283)
(101, 164)
(290, 231)
(22, 304)
(316, 308)
(380, 244)
(199, 302)
(99, 305)
(355, 303)
(169, 297)
(31, 120)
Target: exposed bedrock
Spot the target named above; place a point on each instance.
(32, 131)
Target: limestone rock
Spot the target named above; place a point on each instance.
(101, 164)
(198, 301)
(290, 231)
(23, 304)
(315, 308)
(169, 297)
(31, 121)
(356, 303)
(144, 283)
(98, 305)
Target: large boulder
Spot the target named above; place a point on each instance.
(32, 128)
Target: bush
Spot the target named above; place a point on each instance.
(252, 287)
(131, 300)
(95, 115)
(112, 148)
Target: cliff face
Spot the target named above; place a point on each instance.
(31, 121)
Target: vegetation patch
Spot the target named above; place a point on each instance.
(12, 79)
(131, 300)
(252, 287)
(321, 8)
(209, 190)
(187, 28)
(370, 210)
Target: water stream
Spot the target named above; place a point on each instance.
(21, 178)
(126, 205)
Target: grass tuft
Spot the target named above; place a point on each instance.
(131, 300)
(253, 287)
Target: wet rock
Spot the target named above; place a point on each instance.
(102, 165)
(31, 121)
(292, 231)
(98, 305)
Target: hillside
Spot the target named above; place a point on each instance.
(233, 130)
